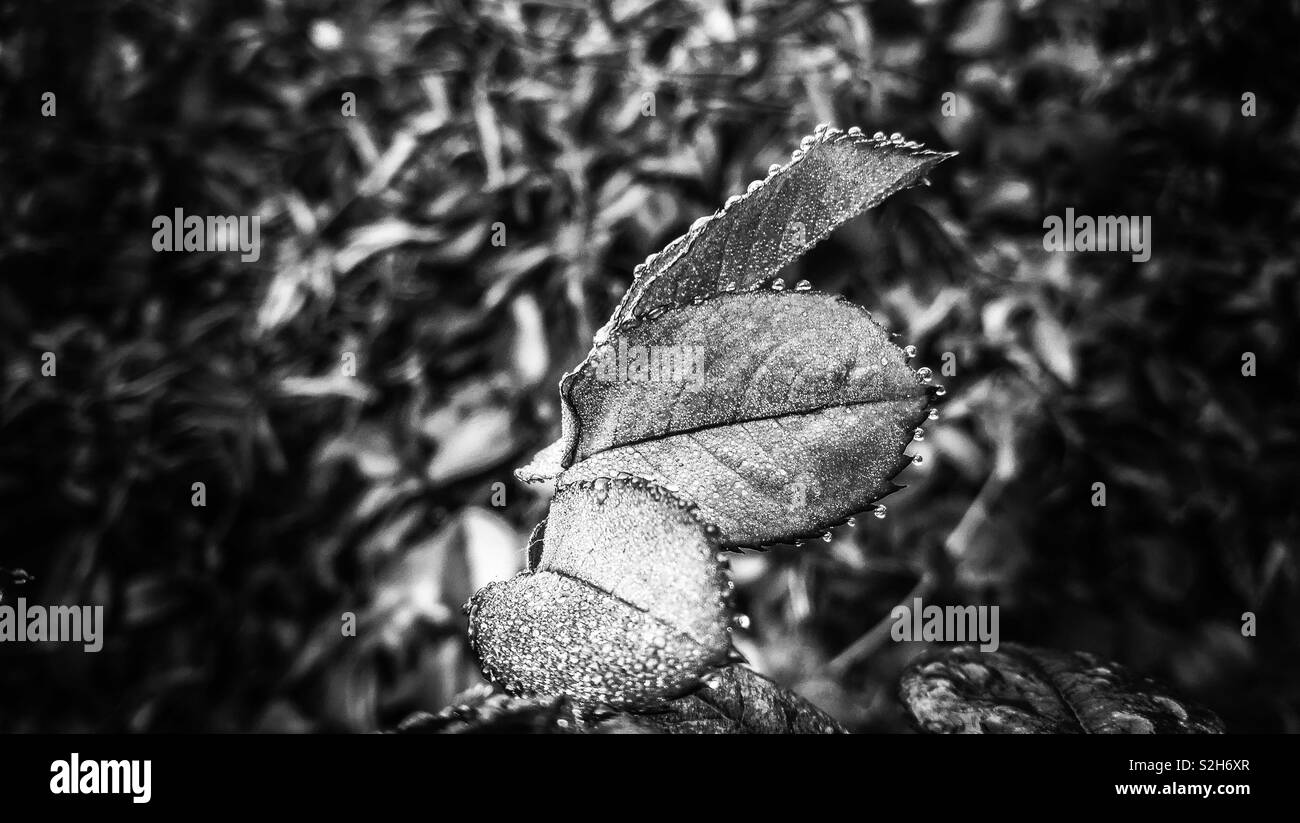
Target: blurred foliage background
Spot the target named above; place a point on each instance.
(328, 493)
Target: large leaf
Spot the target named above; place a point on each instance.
(1030, 690)
(779, 414)
(736, 357)
(831, 177)
(625, 605)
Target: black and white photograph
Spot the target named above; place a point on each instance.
(766, 367)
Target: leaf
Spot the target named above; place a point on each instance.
(1020, 689)
(779, 414)
(737, 701)
(742, 702)
(382, 236)
(481, 711)
(627, 604)
(832, 177)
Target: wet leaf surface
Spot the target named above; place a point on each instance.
(794, 414)
(1020, 689)
(831, 178)
(626, 605)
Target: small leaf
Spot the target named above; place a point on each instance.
(1019, 689)
(741, 702)
(627, 604)
(839, 176)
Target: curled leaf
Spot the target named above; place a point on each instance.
(627, 604)
(1019, 689)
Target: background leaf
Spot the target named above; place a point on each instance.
(1023, 689)
(482, 711)
(740, 701)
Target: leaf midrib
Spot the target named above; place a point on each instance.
(779, 416)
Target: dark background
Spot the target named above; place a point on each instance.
(373, 494)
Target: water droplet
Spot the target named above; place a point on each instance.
(855, 131)
(880, 135)
(925, 181)
(896, 137)
(940, 391)
(821, 128)
(755, 186)
(851, 522)
(916, 458)
(700, 223)
(742, 621)
(774, 168)
(798, 543)
(826, 538)
(778, 285)
(924, 374)
(919, 434)
(910, 351)
(796, 154)
(731, 201)
(934, 414)
(807, 143)
(880, 511)
(802, 285)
